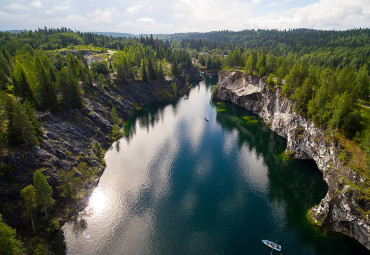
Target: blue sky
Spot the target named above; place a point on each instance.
(170, 16)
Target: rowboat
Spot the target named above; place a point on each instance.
(272, 245)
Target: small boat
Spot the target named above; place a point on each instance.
(272, 245)
(206, 118)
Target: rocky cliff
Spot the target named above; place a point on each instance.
(68, 138)
(344, 209)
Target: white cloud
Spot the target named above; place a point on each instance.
(62, 7)
(163, 16)
(325, 14)
(146, 20)
(273, 4)
(37, 4)
(102, 16)
(16, 6)
(134, 9)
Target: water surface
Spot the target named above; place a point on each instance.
(178, 184)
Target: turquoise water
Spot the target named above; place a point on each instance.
(178, 184)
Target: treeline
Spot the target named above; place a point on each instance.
(328, 96)
(34, 77)
(324, 48)
(324, 72)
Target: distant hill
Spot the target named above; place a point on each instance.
(12, 31)
(115, 34)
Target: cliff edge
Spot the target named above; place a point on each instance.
(344, 209)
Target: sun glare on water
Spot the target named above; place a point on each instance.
(98, 200)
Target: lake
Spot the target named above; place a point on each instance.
(179, 184)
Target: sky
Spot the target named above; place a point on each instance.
(176, 16)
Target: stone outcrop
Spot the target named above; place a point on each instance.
(68, 137)
(343, 209)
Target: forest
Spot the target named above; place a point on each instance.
(48, 70)
(326, 73)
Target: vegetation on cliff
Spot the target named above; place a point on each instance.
(58, 72)
(326, 73)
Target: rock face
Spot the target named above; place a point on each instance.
(68, 137)
(343, 209)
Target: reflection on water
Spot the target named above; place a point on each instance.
(177, 184)
(98, 201)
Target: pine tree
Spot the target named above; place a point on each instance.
(21, 85)
(28, 195)
(20, 129)
(143, 71)
(4, 72)
(44, 191)
(47, 96)
(174, 67)
(70, 91)
(151, 70)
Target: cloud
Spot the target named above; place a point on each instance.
(37, 4)
(16, 7)
(134, 9)
(163, 16)
(146, 20)
(325, 14)
(102, 16)
(62, 7)
(273, 4)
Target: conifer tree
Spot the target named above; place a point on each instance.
(47, 95)
(151, 70)
(174, 67)
(44, 192)
(20, 130)
(21, 85)
(4, 71)
(70, 91)
(143, 71)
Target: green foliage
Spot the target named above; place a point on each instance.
(214, 89)
(21, 129)
(250, 64)
(270, 83)
(174, 67)
(100, 67)
(70, 184)
(9, 245)
(234, 59)
(99, 153)
(44, 192)
(87, 172)
(174, 88)
(113, 115)
(70, 91)
(28, 195)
